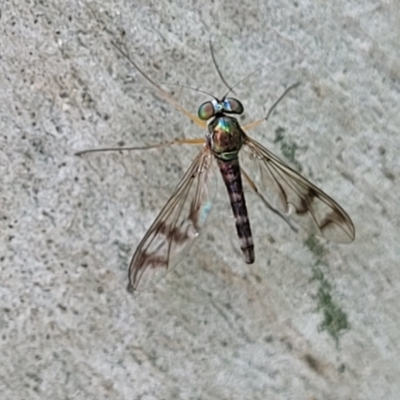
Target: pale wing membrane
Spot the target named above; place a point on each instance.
(178, 223)
(304, 202)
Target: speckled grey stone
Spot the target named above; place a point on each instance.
(308, 320)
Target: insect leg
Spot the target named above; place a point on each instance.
(260, 121)
(196, 141)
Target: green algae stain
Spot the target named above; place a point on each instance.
(334, 318)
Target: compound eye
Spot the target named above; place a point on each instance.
(233, 106)
(206, 111)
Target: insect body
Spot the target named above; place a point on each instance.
(225, 138)
(184, 214)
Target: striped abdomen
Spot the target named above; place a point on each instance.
(230, 171)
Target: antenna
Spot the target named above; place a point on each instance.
(230, 88)
(217, 68)
(243, 79)
(188, 87)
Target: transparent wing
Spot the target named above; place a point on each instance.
(178, 223)
(307, 205)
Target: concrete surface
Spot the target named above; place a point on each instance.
(310, 319)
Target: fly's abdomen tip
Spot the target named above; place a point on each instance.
(249, 255)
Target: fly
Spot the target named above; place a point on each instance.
(184, 214)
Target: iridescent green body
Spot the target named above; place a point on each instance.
(225, 138)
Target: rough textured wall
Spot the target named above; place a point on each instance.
(309, 319)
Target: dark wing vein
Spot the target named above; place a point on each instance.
(306, 204)
(178, 223)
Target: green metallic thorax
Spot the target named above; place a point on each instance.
(225, 137)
